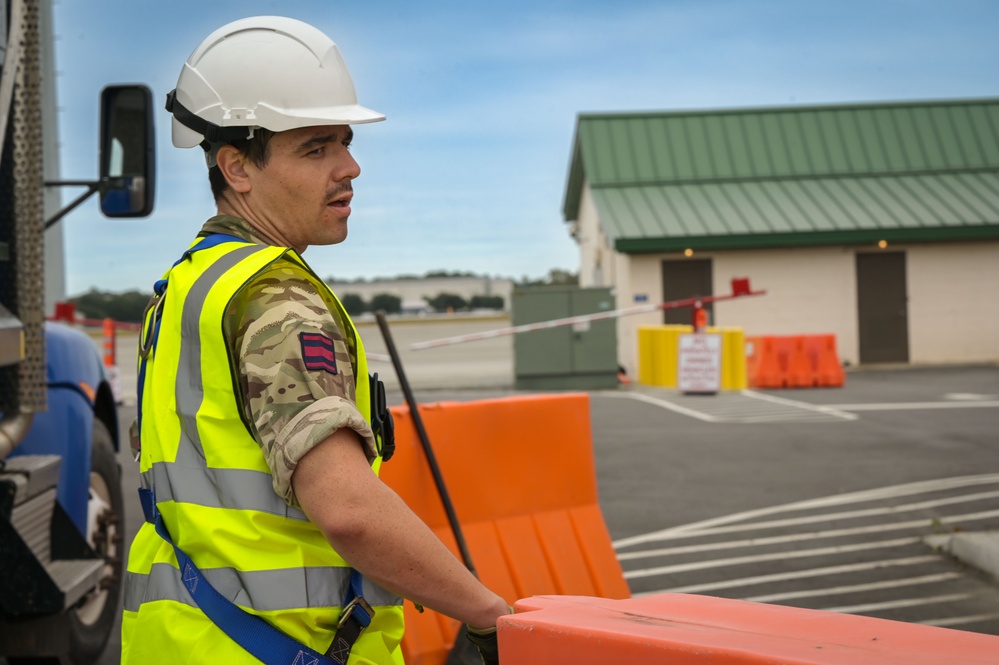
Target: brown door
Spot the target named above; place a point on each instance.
(883, 311)
(686, 278)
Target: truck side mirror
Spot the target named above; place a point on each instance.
(127, 169)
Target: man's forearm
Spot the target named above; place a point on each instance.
(372, 528)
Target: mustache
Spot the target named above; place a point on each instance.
(339, 190)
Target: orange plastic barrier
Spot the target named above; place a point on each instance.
(521, 475)
(793, 361)
(824, 366)
(682, 629)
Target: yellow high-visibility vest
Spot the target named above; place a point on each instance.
(213, 488)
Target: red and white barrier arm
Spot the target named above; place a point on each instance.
(740, 288)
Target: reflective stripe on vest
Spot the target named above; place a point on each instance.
(218, 488)
(264, 590)
(210, 478)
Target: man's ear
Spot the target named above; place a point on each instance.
(232, 164)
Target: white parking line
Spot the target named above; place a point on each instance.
(879, 493)
(797, 537)
(897, 604)
(854, 588)
(775, 556)
(959, 621)
(666, 405)
(823, 409)
(738, 407)
(796, 575)
(844, 515)
(920, 406)
(974, 397)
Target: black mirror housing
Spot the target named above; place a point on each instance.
(128, 152)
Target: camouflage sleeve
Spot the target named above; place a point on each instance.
(294, 373)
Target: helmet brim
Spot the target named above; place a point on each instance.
(185, 137)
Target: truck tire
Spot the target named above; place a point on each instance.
(91, 623)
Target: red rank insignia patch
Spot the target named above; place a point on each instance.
(317, 352)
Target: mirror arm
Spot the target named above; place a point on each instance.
(91, 185)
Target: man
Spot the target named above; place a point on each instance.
(255, 410)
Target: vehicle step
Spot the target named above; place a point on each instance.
(75, 577)
(32, 520)
(31, 474)
(35, 477)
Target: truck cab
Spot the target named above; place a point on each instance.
(61, 509)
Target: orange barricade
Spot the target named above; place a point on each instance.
(824, 360)
(682, 629)
(793, 361)
(766, 362)
(521, 475)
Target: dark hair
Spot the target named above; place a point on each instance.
(255, 150)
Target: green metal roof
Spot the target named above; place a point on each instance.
(790, 176)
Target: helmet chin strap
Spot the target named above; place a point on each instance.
(211, 148)
(215, 136)
(211, 153)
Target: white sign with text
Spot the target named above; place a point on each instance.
(699, 367)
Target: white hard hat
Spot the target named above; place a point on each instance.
(266, 71)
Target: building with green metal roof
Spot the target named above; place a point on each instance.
(876, 222)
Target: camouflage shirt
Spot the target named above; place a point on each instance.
(286, 402)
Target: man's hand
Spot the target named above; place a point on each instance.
(485, 640)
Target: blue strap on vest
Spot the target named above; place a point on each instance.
(262, 640)
(151, 334)
(255, 635)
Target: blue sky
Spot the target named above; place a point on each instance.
(468, 172)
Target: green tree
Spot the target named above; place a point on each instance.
(444, 302)
(448, 273)
(125, 307)
(353, 303)
(486, 302)
(386, 302)
(562, 277)
(555, 277)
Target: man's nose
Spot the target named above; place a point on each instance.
(350, 169)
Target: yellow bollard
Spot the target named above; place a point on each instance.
(658, 355)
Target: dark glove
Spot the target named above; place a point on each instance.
(485, 641)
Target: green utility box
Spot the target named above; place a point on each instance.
(568, 357)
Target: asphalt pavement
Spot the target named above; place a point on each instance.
(849, 499)
(843, 499)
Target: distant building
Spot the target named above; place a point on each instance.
(414, 291)
(876, 222)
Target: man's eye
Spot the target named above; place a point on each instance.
(317, 152)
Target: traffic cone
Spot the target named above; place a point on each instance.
(110, 360)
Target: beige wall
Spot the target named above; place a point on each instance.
(808, 291)
(597, 261)
(953, 304)
(644, 278)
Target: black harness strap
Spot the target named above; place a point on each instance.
(213, 133)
